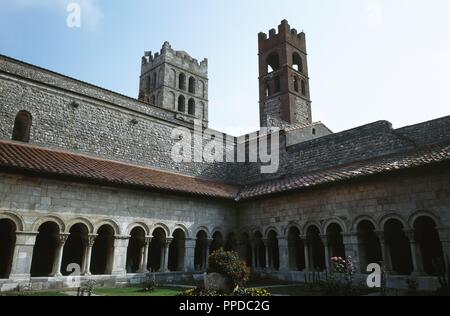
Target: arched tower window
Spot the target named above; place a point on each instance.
(22, 127)
(181, 104)
(182, 82)
(303, 87)
(191, 107)
(297, 63)
(153, 101)
(295, 84)
(154, 80)
(273, 62)
(267, 90)
(191, 85)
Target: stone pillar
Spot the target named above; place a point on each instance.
(327, 252)
(306, 247)
(90, 243)
(415, 253)
(57, 261)
(144, 255)
(167, 243)
(120, 255)
(253, 246)
(283, 254)
(352, 247)
(385, 252)
(208, 245)
(444, 236)
(189, 255)
(268, 256)
(22, 256)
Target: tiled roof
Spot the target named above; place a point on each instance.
(59, 163)
(381, 165)
(38, 160)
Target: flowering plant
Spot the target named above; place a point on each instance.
(345, 267)
(229, 265)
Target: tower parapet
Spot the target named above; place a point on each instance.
(175, 80)
(283, 77)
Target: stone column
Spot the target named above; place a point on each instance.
(208, 245)
(253, 246)
(444, 236)
(283, 254)
(327, 252)
(22, 256)
(385, 252)
(144, 255)
(120, 255)
(167, 243)
(306, 251)
(57, 261)
(90, 243)
(189, 255)
(267, 255)
(351, 245)
(415, 253)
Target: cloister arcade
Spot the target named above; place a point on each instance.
(405, 247)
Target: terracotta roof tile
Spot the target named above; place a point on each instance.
(40, 160)
(58, 163)
(385, 164)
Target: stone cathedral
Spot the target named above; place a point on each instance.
(87, 179)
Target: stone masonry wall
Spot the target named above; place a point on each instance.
(34, 199)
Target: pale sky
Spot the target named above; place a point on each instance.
(369, 60)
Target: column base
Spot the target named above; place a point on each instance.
(19, 277)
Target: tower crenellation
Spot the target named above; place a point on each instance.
(283, 77)
(175, 80)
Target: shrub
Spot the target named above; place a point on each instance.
(201, 291)
(150, 284)
(228, 264)
(250, 292)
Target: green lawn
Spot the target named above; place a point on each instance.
(137, 291)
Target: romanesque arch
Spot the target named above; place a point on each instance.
(335, 240)
(246, 251)
(369, 247)
(397, 244)
(273, 250)
(53, 219)
(201, 250)
(156, 250)
(103, 251)
(111, 223)
(177, 250)
(141, 225)
(80, 220)
(134, 250)
(316, 249)
(8, 230)
(295, 249)
(259, 251)
(22, 127)
(429, 250)
(44, 251)
(75, 247)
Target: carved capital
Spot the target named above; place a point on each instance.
(62, 238)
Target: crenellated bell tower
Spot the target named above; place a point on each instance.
(283, 78)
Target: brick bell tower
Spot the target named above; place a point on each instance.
(283, 78)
